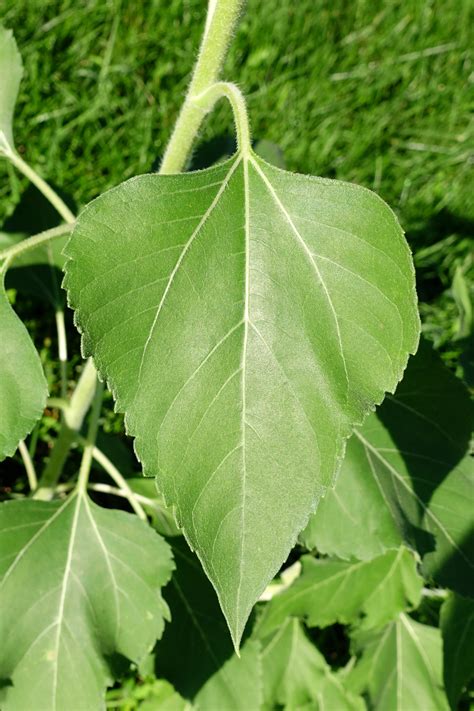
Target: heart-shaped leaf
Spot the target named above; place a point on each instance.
(245, 319)
(78, 584)
(11, 70)
(23, 387)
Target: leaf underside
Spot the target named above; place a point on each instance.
(78, 584)
(245, 319)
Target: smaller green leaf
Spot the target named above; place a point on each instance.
(400, 667)
(81, 584)
(329, 591)
(409, 470)
(296, 676)
(11, 70)
(457, 628)
(23, 387)
(237, 685)
(164, 698)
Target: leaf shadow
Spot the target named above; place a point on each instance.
(196, 643)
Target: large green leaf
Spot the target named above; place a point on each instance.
(457, 628)
(245, 319)
(297, 677)
(23, 387)
(400, 667)
(366, 592)
(409, 473)
(79, 584)
(11, 70)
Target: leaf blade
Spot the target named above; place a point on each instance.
(72, 594)
(211, 316)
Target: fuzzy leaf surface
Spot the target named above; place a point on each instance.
(80, 584)
(23, 387)
(409, 470)
(400, 667)
(245, 319)
(366, 592)
(11, 70)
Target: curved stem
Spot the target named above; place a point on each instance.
(221, 18)
(232, 93)
(31, 242)
(29, 466)
(41, 184)
(86, 461)
(117, 477)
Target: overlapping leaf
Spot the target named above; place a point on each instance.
(407, 476)
(366, 592)
(245, 319)
(400, 667)
(457, 628)
(296, 675)
(80, 584)
(23, 387)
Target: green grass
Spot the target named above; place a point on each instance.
(372, 92)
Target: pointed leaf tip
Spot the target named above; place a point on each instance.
(249, 318)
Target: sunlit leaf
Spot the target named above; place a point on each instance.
(366, 592)
(245, 319)
(296, 675)
(80, 584)
(400, 667)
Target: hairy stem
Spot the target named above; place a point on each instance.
(232, 93)
(41, 184)
(221, 18)
(41, 238)
(86, 461)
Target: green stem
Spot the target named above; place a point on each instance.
(41, 184)
(29, 466)
(117, 477)
(232, 93)
(16, 249)
(74, 415)
(221, 18)
(62, 350)
(86, 461)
